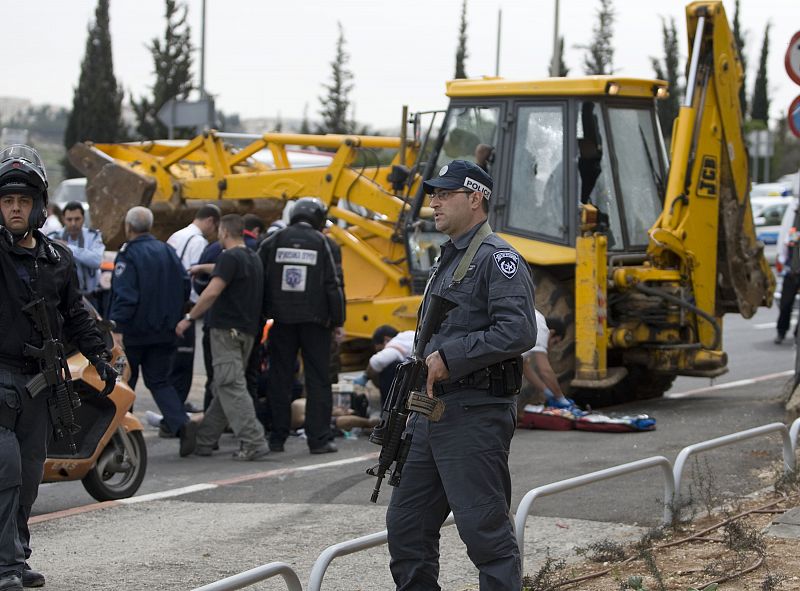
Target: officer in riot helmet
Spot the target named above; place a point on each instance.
(304, 295)
(460, 463)
(32, 268)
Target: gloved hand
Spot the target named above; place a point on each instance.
(108, 374)
(558, 401)
(361, 380)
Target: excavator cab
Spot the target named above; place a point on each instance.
(551, 154)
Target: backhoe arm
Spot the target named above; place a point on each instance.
(706, 229)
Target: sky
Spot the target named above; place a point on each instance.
(265, 58)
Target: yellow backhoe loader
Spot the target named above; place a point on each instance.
(640, 252)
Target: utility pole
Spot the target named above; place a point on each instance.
(554, 62)
(203, 50)
(497, 56)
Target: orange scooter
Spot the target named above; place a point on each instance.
(111, 460)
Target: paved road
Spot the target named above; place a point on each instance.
(749, 346)
(292, 505)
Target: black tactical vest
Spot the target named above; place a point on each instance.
(300, 277)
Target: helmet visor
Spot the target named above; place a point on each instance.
(27, 158)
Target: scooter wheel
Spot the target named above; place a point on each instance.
(115, 475)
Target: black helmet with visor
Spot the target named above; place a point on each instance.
(22, 173)
(310, 210)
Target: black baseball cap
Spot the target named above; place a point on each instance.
(460, 174)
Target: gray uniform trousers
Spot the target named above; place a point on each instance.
(232, 404)
(22, 455)
(458, 464)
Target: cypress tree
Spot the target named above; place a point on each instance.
(172, 60)
(97, 102)
(669, 70)
(760, 108)
(336, 102)
(461, 49)
(599, 57)
(739, 39)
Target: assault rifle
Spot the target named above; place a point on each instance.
(54, 377)
(407, 395)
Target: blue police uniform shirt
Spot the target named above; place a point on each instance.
(87, 251)
(149, 289)
(494, 315)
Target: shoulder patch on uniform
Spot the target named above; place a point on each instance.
(124, 247)
(119, 268)
(507, 261)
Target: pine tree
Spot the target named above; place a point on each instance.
(461, 49)
(336, 103)
(562, 69)
(739, 39)
(760, 108)
(669, 70)
(599, 58)
(97, 101)
(172, 59)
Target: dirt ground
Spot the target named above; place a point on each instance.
(720, 548)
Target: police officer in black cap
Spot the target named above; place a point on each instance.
(460, 463)
(304, 296)
(32, 267)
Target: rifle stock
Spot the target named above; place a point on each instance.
(54, 377)
(406, 395)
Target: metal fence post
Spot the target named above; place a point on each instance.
(794, 430)
(686, 452)
(525, 505)
(255, 575)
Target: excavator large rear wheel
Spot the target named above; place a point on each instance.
(555, 298)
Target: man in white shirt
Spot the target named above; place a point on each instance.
(536, 365)
(189, 243)
(392, 348)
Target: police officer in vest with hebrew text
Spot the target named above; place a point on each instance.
(304, 296)
(460, 463)
(37, 275)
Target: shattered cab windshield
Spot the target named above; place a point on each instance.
(467, 129)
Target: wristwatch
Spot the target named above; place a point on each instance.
(188, 317)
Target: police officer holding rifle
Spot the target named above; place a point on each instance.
(40, 301)
(460, 461)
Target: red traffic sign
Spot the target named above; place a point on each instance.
(792, 60)
(794, 116)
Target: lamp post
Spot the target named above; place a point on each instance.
(554, 60)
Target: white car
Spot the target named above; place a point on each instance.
(767, 215)
(72, 190)
(770, 190)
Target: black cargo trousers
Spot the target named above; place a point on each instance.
(23, 449)
(789, 289)
(461, 464)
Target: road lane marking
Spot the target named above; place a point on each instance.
(287, 471)
(71, 511)
(727, 385)
(185, 490)
(175, 492)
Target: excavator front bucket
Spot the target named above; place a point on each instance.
(746, 281)
(111, 190)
